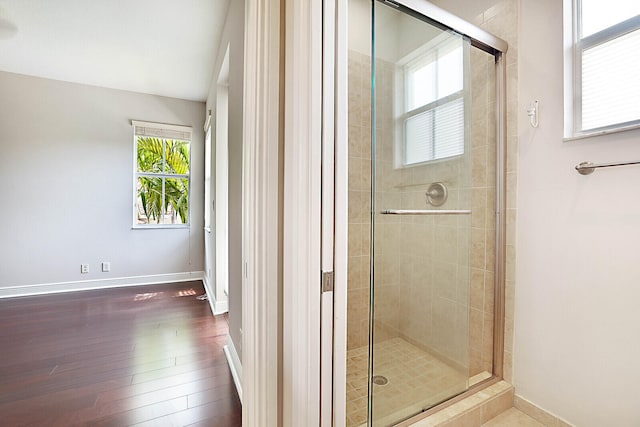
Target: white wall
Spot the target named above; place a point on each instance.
(577, 330)
(66, 167)
(233, 36)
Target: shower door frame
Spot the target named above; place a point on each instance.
(479, 39)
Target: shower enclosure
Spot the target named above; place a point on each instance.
(426, 162)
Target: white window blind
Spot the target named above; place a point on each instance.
(436, 133)
(158, 130)
(611, 83)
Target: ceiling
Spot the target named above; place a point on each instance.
(160, 47)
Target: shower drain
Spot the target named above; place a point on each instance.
(380, 380)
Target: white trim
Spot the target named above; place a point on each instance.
(585, 135)
(84, 285)
(234, 365)
(302, 205)
(328, 210)
(341, 218)
(221, 181)
(217, 306)
(569, 77)
(207, 122)
(262, 216)
(160, 226)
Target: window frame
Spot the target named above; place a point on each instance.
(187, 130)
(574, 48)
(412, 62)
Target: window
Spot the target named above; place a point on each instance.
(604, 64)
(161, 176)
(433, 107)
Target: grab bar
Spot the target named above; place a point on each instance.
(425, 212)
(586, 168)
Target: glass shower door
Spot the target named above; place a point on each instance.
(421, 215)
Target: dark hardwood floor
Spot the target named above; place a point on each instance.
(144, 356)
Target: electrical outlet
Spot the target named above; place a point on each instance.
(106, 266)
(84, 268)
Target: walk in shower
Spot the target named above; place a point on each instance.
(426, 162)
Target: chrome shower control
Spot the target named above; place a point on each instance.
(437, 194)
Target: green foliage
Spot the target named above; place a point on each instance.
(151, 152)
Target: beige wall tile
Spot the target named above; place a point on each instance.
(478, 248)
(477, 285)
(489, 291)
(512, 417)
(497, 405)
(470, 419)
(508, 367)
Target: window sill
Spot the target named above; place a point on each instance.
(593, 134)
(160, 227)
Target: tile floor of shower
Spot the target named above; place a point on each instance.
(416, 380)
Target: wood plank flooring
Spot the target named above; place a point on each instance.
(143, 356)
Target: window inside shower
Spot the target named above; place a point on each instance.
(433, 99)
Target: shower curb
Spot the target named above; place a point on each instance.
(471, 411)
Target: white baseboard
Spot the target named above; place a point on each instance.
(217, 307)
(235, 365)
(83, 285)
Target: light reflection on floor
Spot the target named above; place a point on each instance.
(186, 293)
(147, 296)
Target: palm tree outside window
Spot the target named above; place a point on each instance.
(162, 174)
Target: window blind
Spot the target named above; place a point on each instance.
(436, 133)
(155, 130)
(610, 84)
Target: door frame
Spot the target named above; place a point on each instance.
(220, 203)
(341, 211)
(283, 215)
(301, 308)
(262, 215)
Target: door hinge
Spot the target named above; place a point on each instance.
(327, 281)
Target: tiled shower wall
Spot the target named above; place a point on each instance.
(502, 21)
(445, 264)
(423, 291)
(359, 199)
